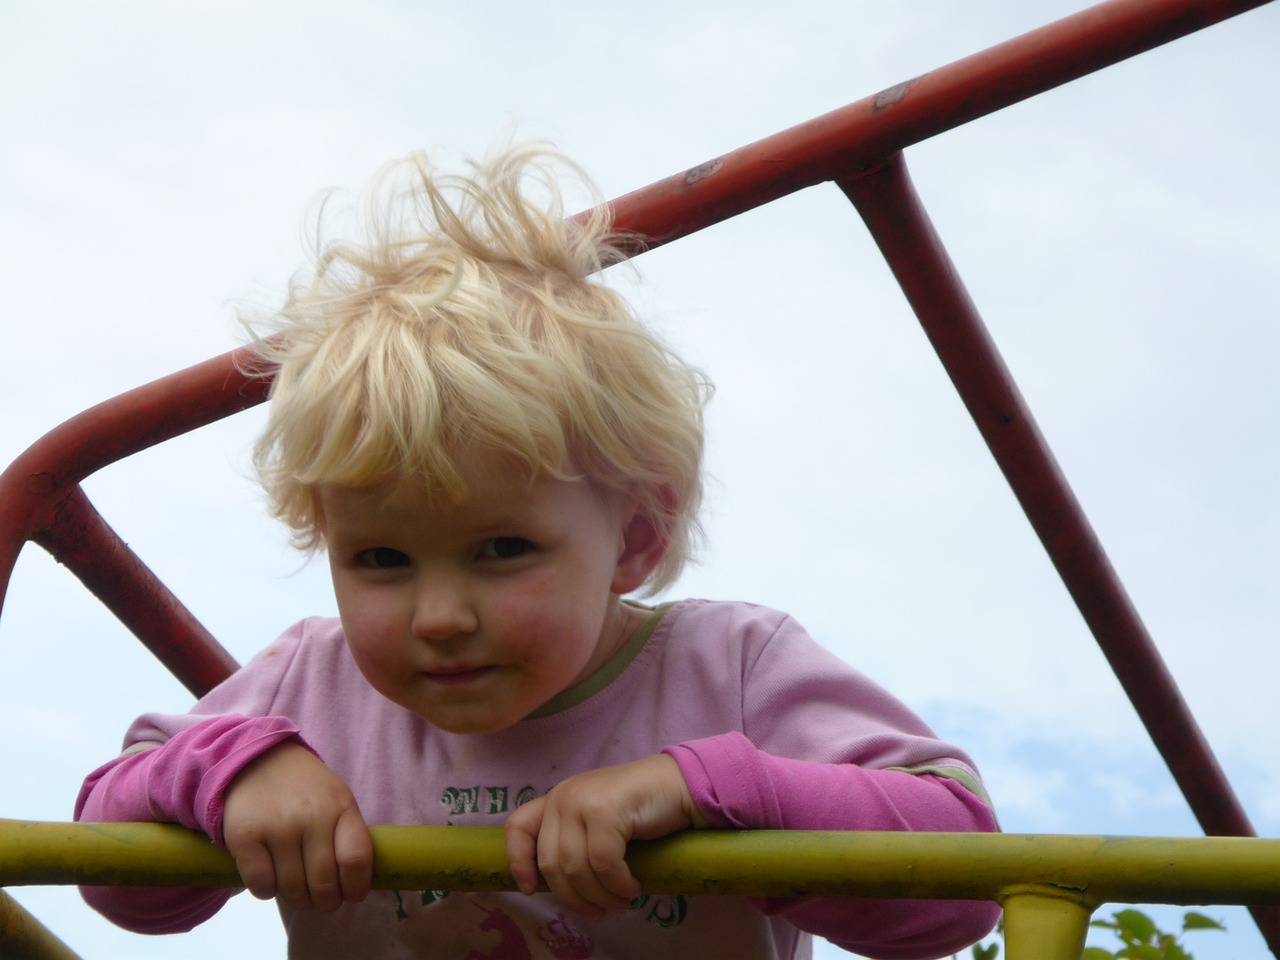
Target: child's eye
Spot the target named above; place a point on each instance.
(381, 558)
(505, 548)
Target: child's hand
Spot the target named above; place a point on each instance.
(577, 834)
(296, 833)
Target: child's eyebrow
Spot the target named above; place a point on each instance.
(497, 521)
(353, 533)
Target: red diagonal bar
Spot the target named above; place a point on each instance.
(888, 203)
(89, 548)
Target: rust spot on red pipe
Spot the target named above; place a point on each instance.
(702, 171)
(891, 95)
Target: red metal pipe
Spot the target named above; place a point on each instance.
(891, 208)
(143, 417)
(90, 549)
(41, 501)
(863, 134)
(34, 486)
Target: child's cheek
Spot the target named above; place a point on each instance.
(376, 631)
(539, 611)
(525, 602)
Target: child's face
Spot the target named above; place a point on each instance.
(472, 615)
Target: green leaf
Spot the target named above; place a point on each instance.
(1198, 921)
(1137, 924)
(1097, 953)
(987, 951)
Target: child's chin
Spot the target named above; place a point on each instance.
(454, 723)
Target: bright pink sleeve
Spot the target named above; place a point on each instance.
(738, 786)
(182, 781)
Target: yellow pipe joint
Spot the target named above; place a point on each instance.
(1045, 922)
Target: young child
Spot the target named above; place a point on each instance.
(494, 452)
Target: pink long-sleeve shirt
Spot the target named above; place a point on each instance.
(769, 729)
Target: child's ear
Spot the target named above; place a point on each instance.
(644, 542)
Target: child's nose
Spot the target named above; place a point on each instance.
(443, 611)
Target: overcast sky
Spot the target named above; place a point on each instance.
(1120, 235)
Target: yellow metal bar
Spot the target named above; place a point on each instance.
(107, 854)
(762, 863)
(23, 937)
(1045, 923)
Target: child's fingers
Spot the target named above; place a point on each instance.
(257, 869)
(337, 862)
(606, 852)
(566, 863)
(521, 835)
(292, 883)
(556, 864)
(319, 885)
(353, 849)
(296, 831)
(577, 834)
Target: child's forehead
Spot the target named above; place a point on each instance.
(496, 504)
(478, 474)
(474, 484)
(486, 483)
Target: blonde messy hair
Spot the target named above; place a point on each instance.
(468, 321)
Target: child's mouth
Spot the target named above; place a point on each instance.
(458, 677)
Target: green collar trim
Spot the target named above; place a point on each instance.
(609, 671)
